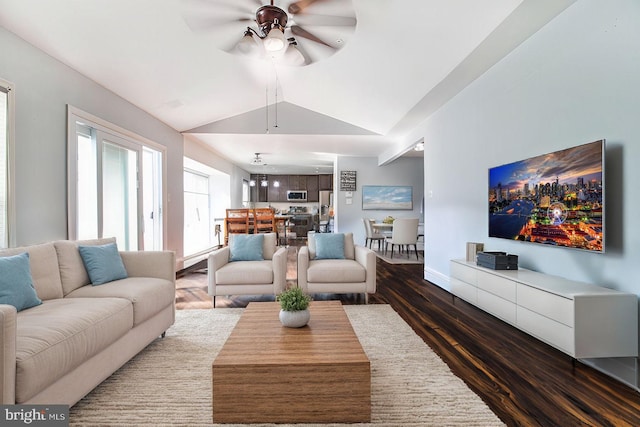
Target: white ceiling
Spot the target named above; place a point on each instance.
(404, 59)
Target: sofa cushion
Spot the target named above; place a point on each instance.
(349, 246)
(245, 273)
(72, 271)
(245, 247)
(56, 337)
(335, 271)
(103, 263)
(148, 295)
(16, 284)
(43, 262)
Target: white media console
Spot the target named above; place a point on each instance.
(580, 319)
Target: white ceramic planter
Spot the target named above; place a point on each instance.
(295, 319)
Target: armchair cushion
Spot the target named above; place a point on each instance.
(16, 284)
(245, 273)
(329, 246)
(335, 271)
(246, 247)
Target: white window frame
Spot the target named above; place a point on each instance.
(9, 156)
(75, 115)
(219, 199)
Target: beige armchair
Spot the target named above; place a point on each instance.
(355, 273)
(259, 277)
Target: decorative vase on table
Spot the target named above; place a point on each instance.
(295, 319)
(294, 308)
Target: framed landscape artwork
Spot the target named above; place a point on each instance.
(387, 197)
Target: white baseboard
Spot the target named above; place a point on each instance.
(437, 278)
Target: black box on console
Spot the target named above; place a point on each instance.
(497, 260)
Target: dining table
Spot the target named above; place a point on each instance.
(381, 227)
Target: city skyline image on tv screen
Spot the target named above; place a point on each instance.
(553, 199)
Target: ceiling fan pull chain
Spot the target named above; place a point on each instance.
(276, 70)
(266, 105)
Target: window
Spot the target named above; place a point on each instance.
(206, 197)
(115, 184)
(6, 145)
(245, 193)
(197, 222)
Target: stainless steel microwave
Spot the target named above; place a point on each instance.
(297, 196)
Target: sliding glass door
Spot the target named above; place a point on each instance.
(115, 189)
(120, 193)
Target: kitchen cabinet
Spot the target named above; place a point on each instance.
(312, 188)
(313, 184)
(297, 182)
(258, 193)
(325, 182)
(278, 194)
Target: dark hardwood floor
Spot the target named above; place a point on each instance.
(524, 381)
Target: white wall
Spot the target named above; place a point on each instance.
(575, 81)
(196, 150)
(43, 88)
(403, 171)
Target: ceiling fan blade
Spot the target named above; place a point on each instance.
(201, 24)
(300, 5)
(301, 32)
(210, 6)
(325, 20)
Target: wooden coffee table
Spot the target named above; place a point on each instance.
(267, 373)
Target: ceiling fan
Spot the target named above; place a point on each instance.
(308, 31)
(257, 160)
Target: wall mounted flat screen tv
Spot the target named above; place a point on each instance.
(554, 199)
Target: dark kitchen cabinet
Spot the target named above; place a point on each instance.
(279, 193)
(297, 182)
(312, 188)
(325, 182)
(313, 184)
(258, 193)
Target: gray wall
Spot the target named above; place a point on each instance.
(403, 171)
(43, 88)
(575, 81)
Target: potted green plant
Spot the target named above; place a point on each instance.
(294, 308)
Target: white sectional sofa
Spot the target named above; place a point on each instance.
(58, 351)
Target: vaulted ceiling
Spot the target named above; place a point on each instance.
(367, 87)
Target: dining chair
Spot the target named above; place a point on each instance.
(405, 233)
(372, 236)
(236, 222)
(264, 220)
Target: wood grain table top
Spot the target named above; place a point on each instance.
(259, 338)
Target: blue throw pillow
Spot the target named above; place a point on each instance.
(329, 245)
(246, 247)
(16, 283)
(103, 263)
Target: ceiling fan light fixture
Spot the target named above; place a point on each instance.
(248, 45)
(292, 55)
(274, 41)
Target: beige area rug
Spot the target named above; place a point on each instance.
(169, 383)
